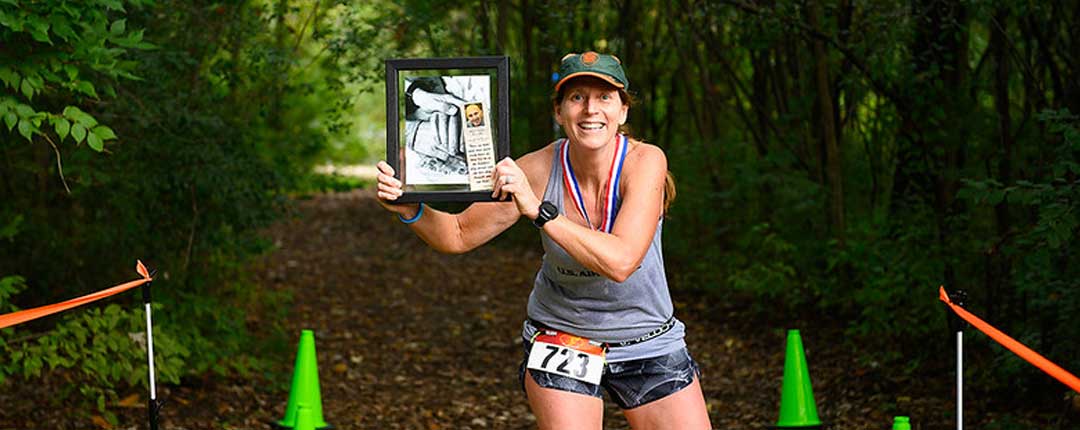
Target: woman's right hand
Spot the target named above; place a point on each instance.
(389, 189)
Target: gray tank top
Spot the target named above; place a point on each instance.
(568, 297)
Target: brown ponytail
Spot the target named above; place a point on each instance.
(669, 192)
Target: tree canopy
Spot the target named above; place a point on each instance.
(832, 157)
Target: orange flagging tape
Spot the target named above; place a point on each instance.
(1016, 347)
(8, 320)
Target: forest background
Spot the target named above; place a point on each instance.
(835, 160)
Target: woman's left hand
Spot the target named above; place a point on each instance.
(510, 181)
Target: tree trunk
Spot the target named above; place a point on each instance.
(503, 21)
(273, 116)
(833, 170)
(999, 262)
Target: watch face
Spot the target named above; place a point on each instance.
(548, 210)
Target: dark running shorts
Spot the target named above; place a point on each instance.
(629, 383)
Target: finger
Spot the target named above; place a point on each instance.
(505, 188)
(387, 186)
(501, 195)
(500, 184)
(384, 167)
(508, 163)
(389, 180)
(394, 191)
(509, 191)
(386, 196)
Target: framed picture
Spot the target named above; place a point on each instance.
(447, 124)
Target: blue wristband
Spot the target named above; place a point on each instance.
(415, 218)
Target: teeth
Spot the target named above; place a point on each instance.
(592, 126)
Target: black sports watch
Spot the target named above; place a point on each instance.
(548, 212)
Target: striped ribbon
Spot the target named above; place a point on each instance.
(614, 173)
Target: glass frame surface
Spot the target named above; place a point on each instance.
(397, 130)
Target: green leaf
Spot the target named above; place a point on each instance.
(26, 129)
(49, 74)
(62, 127)
(10, 78)
(95, 142)
(12, 22)
(27, 88)
(105, 133)
(78, 132)
(79, 116)
(10, 118)
(118, 27)
(87, 88)
(24, 111)
(113, 4)
(40, 36)
(71, 10)
(71, 71)
(35, 80)
(38, 28)
(62, 27)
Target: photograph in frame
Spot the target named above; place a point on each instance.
(447, 126)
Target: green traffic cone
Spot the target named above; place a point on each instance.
(901, 423)
(797, 409)
(305, 387)
(304, 420)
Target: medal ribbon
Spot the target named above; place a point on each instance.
(614, 172)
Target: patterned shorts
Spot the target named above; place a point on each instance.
(629, 383)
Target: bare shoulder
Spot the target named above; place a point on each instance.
(538, 162)
(647, 157)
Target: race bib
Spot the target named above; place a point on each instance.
(567, 355)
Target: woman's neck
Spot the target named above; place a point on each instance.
(592, 166)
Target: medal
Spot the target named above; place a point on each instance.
(621, 143)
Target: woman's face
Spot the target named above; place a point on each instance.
(591, 112)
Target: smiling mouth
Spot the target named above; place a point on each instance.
(591, 125)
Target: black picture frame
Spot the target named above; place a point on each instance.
(398, 100)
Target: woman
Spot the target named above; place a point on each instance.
(599, 314)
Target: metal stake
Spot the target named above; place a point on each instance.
(960, 380)
(959, 298)
(152, 405)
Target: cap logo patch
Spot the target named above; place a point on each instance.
(589, 58)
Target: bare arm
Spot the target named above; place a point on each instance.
(617, 255)
(477, 224)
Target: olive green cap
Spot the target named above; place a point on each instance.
(603, 66)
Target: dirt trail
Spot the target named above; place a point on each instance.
(408, 338)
